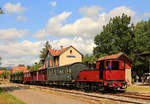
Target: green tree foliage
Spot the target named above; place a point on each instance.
(5, 75)
(88, 58)
(44, 50)
(35, 67)
(3, 68)
(142, 33)
(142, 37)
(117, 36)
(0, 60)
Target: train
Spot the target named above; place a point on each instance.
(106, 73)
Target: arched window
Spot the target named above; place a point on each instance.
(56, 62)
(70, 51)
(50, 63)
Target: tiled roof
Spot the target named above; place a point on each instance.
(56, 52)
(114, 56)
(17, 68)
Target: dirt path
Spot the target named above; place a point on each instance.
(30, 96)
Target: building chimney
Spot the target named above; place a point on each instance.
(61, 47)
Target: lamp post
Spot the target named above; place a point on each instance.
(1, 11)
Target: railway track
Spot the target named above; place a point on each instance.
(96, 96)
(133, 98)
(135, 95)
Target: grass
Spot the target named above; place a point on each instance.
(6, 98)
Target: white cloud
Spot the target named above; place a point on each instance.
(14, 8)
(78, 42)
(120, 10)
(53, 3)
(40, 33)
(92, 12)
(11, 34)
(21, 18)
(88, 26)
(25, 52)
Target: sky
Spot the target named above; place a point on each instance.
(27, 24)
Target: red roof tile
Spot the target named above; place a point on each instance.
(17, 68)
(56, 52)
(114, 56)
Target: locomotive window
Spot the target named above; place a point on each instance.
(115, 65)
(108, 64)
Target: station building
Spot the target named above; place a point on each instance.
(64, 56)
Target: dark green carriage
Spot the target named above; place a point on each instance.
(67, 73)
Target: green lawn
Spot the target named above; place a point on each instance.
(6, 98)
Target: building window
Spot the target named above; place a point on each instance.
(70, 56)
(50, 62)
(47, 64)
(56, 62)
(70, 51)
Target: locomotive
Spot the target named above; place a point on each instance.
(108, 73)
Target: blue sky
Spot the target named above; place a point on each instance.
(27, 24)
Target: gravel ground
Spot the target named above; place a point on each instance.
(30, 96)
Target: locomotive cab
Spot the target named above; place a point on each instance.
(111, 69)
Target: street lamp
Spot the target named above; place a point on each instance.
(1, 11)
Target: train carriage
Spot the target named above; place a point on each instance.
(17, 77)
(67, 73)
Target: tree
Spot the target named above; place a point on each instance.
(3, 68)
(44, 50)
(0, 60)
(35, 67)
(88, 58)
(117, 36)
(5, 75)
(142, 33)
(142, 37)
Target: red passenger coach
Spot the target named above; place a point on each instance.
(27, 77)
(110, 72)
